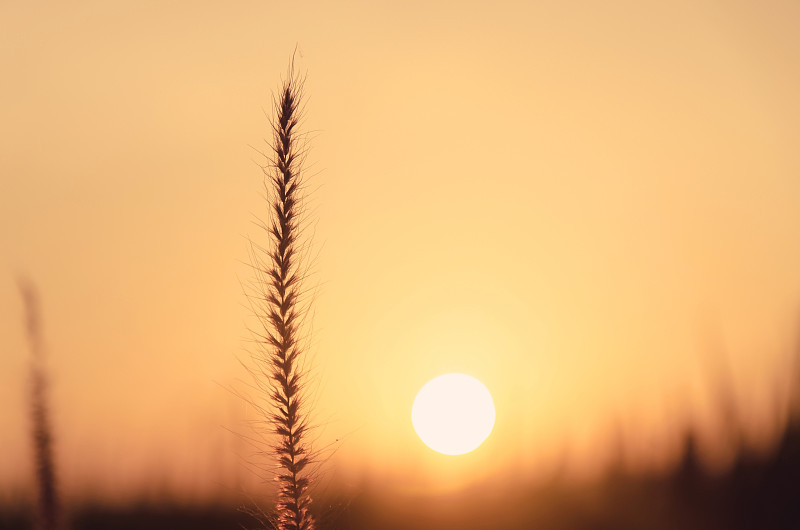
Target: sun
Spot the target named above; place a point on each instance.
(453, 414)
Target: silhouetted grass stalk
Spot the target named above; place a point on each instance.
(48, 515)
(278, 287)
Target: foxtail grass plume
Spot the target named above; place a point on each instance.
(48, 516)
(278, 309)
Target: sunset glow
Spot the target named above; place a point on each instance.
(453, 414)
(591, 208)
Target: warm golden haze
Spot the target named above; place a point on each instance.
(594, 209)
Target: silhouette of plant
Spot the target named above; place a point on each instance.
(276, 303)
(48, 516)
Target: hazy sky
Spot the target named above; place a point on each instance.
(586, 205)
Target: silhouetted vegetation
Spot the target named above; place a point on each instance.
(279, 372)
(757, 492)
(48, 516)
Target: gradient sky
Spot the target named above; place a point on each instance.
(587, 205)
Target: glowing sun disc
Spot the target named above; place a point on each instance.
(453, 414)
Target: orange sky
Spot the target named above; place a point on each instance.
(574, 202)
